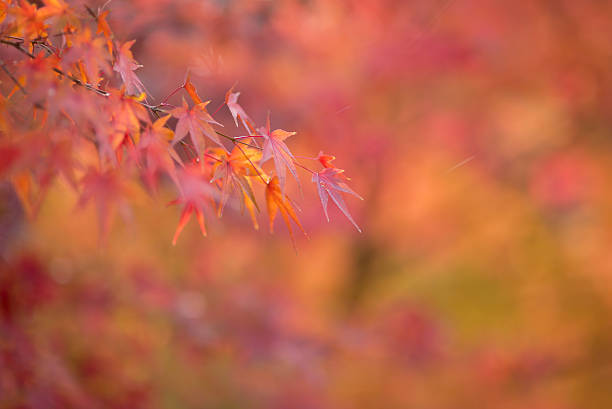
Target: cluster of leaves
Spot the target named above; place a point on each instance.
(68, 114)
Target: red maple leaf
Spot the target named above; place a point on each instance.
(326, 159)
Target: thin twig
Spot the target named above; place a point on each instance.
(295, 162)
(172, 93)
(237, 141)
(18, 47)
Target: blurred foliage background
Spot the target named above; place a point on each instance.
(479, 135)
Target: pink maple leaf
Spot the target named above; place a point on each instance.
(125, 65)
(195, 192)
(275, 148)
(330, 182)
(231, 100)
(197, 121)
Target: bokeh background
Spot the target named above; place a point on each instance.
(478, 133)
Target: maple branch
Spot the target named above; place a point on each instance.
(47, 48)
(81, 83)
(217, 110)
(91, 12)
(295, 162)
(41, 42)
(248, 136)
(172, 93)
(189, 152)
(72, 78)
(212, 157)
(153, 108)
(305, 157)
(234, 140)
(18, 47)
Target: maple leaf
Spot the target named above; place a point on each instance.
(233, 171)
(197, 121)
(231, 100)
(89, 55)
(55, 7)
(60, 12)
(108, 140)
(59, 160)
(277, 201)
(326, 160)
(124, 117)
(155, 151)
(104, 28)
(29, 22)
(329, 182)
(4, 6)
(250, 204)
(127, 112)
(29, 192)
(108, 191)
(275, 148)
(190, 88)
(195, 192)
(125, 65)
(35, 76)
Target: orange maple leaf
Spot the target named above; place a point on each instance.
(233, 172)
(277, 201)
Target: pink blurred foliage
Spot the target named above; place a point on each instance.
(478, 132)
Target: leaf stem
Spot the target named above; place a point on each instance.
(172, 93)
